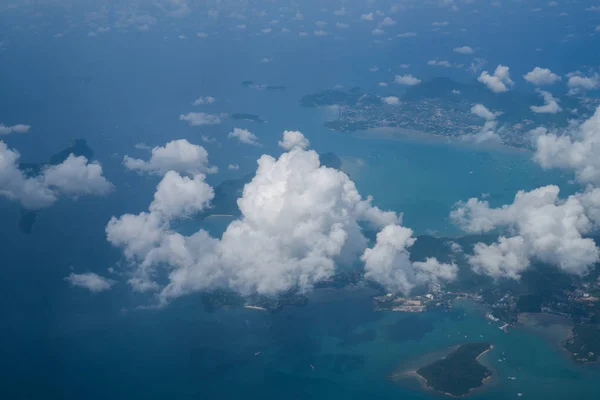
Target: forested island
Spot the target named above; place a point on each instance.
(247, 117)
(459, 372)
(584, 343)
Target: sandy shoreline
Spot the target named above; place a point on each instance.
(395, 133)
(256, 308)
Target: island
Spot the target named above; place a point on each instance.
(222, 299)
(442, 106)
(584, 344)
(247, 117)
(459, 372)
(260, 86)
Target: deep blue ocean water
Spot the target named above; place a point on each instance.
(116, 91)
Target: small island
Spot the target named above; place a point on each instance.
(259, 86)
(459, 372)
(247, 117)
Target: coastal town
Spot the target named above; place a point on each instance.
(580, 305)
(442, 107)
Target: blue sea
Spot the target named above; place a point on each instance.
(114, 91)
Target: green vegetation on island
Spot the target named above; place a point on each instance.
(220, 299)
(442, 107)
(459, 372)
(584, 343)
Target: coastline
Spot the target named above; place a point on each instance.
(256, 308)
(556, 329)
(400, 134)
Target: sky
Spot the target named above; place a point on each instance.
(152, 84)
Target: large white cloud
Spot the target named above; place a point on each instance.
(298, 221)
(576, 149)
(499, 82)
(177, 155)
(540, 226)
(74, 177)
(550, 104)
(388, 262)
(293, 139)
(19, 128)
(541, 76)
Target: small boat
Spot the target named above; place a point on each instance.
(257, 353)
(312, 366)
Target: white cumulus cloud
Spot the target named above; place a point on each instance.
(541, 77)
(464, 50)
(391, 100)
(541, 227)
(244, 136)
(73, 178)
(550, 104)
(200, 118)
(19, 128)
(407, 80)
(389, 264)
(499, 82)
(293, 139)
(576, 149)
(482, 111)
(440, 63)
(387, 21)
(202, 100)
(90, 281)
(76, 177)
(579, 83)
(177, 155)
(298, 221)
